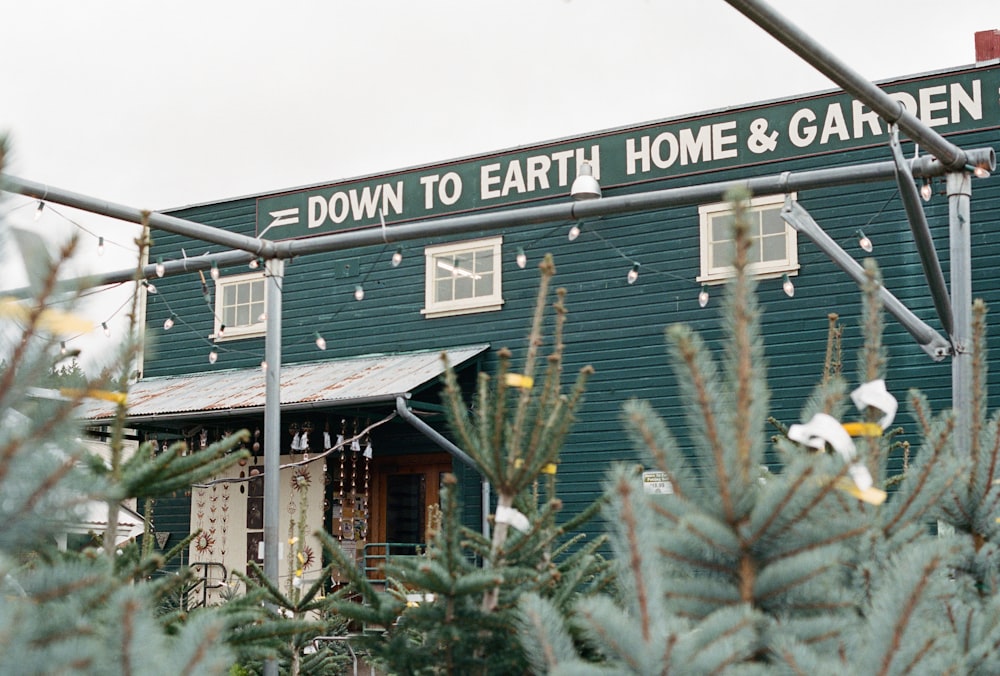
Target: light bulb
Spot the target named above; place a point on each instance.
(168, 324)
(149, 287)
(926, 190)
(215, 270)
(213, 357)
(160, 267)
(39, 210)
(703, 296)
(573, 233)
(788, 287)
(522, 258)
(320, 341)
(633, 273)
(107, 329)
(981, 172)
(221, 332)
(100, 246)
(62, 347)
(254, 264)
(263, 366)
(397, 257)
(359, 292)
(864, 242)
(262, 317)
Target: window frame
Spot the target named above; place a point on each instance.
(253, 330)
(762, 270)
(485, 303)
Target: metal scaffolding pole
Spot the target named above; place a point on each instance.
(959, 187)
(780, 184)
(272, 426)
(826, 62)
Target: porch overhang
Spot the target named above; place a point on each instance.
(352, 381)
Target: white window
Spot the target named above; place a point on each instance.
(239, 306)
(462, 278)
(774, 251)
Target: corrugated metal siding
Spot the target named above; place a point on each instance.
(615, 327)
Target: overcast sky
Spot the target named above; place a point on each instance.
(159, 105)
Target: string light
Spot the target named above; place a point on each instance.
(573, 233)
(926, 190)
(263, 366)
(62, 347)
(633, 273)
(522, 258)
(359, 292)
(39, 210)
(107, 329)
(213, 357)
(168, 323)
(978, 171)
(100, 246)
(864, 242)
(254, 264)
(787, 285)
(262, 317)
(214, 271)
(703, 296)
(160, 267)
(149, 286)
(397, 257)
(320, 341)
(221, 332)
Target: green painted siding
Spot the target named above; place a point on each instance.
(617, 328)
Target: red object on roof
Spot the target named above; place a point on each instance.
(987, 45)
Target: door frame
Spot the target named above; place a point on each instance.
(431, 464)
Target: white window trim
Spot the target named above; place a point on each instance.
(464, 306)
(766, 270)
(255, 330)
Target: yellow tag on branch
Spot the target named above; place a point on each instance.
(873, 496)
(518, 380)
(863, 429)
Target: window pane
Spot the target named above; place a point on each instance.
(243, 315)
(722, 227)
(242, 293)
(484, 261)
(442, 290)
(257, 291)
(722, 254)
(771, 222)
(256, 310)
(463, 288)
(228, 294)
(484, 285)
(773, 248)
(229, 316)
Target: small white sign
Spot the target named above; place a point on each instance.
(657, 483)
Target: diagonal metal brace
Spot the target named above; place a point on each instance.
(930, 341)
(922, 237)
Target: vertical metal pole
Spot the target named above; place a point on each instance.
(959, 186)
(275, 268)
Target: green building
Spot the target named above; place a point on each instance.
(363, 327)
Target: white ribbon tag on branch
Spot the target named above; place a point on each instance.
(875, 395)
(514, 518)
(824, 429)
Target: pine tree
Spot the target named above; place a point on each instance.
(99, 611)
(450, 609)
(804, 569)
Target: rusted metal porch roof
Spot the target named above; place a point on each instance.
(348, 381)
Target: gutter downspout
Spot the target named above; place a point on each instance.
(406, 414)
